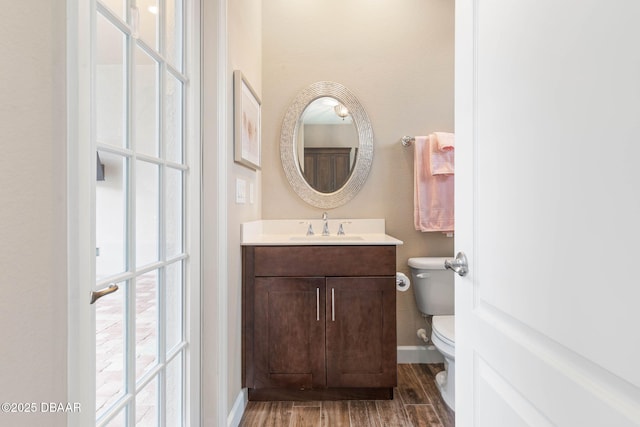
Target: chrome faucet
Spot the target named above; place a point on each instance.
(325, 227)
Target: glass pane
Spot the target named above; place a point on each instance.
(110, 346)
(117, 7)
(175, 384)
(111, 212)
(147, 405)
(145, 101)
(173, 119)
(173, 33)
(147, 206)
(148, 22)
(110, 84)
(174, 298)
(174, 212)
(120, 420)
(146, 322)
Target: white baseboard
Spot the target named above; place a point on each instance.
(418, 354)
(234, 417)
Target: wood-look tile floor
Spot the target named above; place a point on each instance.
(416, 402)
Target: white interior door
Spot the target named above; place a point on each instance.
(547, 211)
(140, 175)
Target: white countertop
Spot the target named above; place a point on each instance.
(290, 232)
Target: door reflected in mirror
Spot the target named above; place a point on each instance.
(327, 144)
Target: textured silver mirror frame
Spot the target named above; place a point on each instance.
(289, 134)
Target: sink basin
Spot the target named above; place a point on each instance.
(292, 232)
(325, 238)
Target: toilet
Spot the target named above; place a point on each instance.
(434, 292)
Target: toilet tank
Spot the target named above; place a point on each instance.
(432, 285)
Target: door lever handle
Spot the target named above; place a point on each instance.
(458, 264)
(96, 295)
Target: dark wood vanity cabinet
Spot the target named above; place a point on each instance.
(319, 322)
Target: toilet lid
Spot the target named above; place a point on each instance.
(444, 326)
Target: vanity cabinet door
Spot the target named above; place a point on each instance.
(289, 332)
(361, 332)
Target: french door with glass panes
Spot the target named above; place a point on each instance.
(139, 81)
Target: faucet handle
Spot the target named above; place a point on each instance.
(309, 229)
(341, 229)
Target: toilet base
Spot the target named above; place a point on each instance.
(445, 392)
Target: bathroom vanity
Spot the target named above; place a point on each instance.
(319, 317)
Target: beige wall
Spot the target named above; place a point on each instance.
(398, 61)
(33, 305)
(397, 57)
(245, 54)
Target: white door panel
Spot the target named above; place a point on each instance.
(500, 404)
(547, 123)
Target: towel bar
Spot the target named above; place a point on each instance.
(408, 140)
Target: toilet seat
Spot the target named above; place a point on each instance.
(444, 328)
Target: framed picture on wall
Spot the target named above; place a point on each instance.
(246, 123)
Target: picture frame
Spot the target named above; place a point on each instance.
(246, 123)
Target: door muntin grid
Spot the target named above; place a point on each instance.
(139, 134)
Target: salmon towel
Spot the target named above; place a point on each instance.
(433, 194)
(441, 153)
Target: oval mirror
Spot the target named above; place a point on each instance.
(326, 145)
